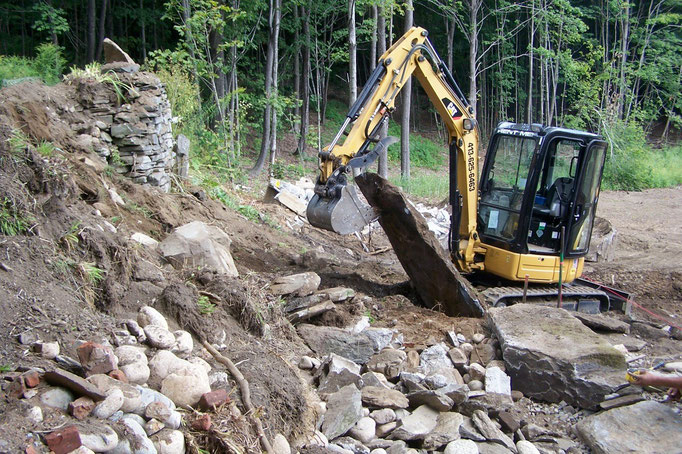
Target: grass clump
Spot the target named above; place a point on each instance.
(13, 221)
(206, 307)
(431, 186)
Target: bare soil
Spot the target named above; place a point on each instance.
(47, 294)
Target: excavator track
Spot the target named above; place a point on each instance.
(576, 297)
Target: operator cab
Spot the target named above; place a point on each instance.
(537, 180)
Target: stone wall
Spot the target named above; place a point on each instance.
(132, 119)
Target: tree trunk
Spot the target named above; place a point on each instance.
(275, 84)
(143, 31)
(297, 68)
(625, 37)
(267, 115)
(474, 6)
(91, 30)
(373, 42)
(102, 23)
(407, 97)
(352, 54)
(531, 33)
(450, 33)
(381, 49)
(305, 92)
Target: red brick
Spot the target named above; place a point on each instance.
(31, 378)
(81, 407)
(119, 375)
(202, 423)
(213, 399)
(96, 358)
(63, 441)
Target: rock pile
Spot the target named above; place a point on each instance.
(125, 397)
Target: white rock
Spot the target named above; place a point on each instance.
(169, 442)
(361, 325)
(148, 396)
(98, 437)
(150, 316)
(35, 414)
(475, 385)
(476, 371)
(83, 450)
(49, 350)
(461, 447)
(110, 405)
(116, 198)
(526, 447)
(317, 439)
(144, 240)
(364, 430)
(305, 363)
(378, 451)
(434, 358)
(161, 412)
(218, 379)
(183, 343)
(153, 426)
(159, 337)
(417, 425)
(137, 373)
(200, 363)
(466, 348)
(131, 395)
(135, 436)
(383, 416)
(497, 382)
(478, 338)
(186, 386)
(280, 445)
(57, 398)
(128, 354)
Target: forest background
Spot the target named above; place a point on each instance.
(264, 84)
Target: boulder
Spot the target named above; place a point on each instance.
(302, 284)
(603, 242)
(199, 245)
(146, 316)
(344, 411)
(645, 427)
(337, 372)
(417, 425)
(324, 340)
(434, 358)
(364, 430)
(552, 356)
(600, 322)
(377, 397)
(389, 362)
(114, 54)
(446, 431)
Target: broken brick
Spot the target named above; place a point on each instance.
(31, 378)
(97, 358)
(81, 407)
(202, 423)
(64, 440)
(119, 375)
(213, 399)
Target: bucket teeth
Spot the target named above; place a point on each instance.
(343, 215)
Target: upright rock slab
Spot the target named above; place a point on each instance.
(344, 410)
(551, 356)
(645, 427)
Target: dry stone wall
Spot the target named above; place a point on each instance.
(132, 124)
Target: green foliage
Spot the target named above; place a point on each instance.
(633, 164)
(13, 221)
(4, 368)
(428, 185)
(94, 71)
(91, 272)
(45, 148)
(50, 19)
(70, 238)
(285, 171)
(206, 307)
(18, 142)
(48, 65)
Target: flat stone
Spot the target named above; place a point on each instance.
(631, 343)
(383, 416)
(389, 362)
(57, 398)
(434, 399)
(600, 322)
(552, 356)
(458, 357)
(458, 393)
(348, 445)
(302, 284)
(461, 447)
(446, 431)
(621, 401)
(492, 448)
(508, 422)
(324, 340)
(344, 409)
(488, 429)
(647, 331)
(376, 397)
(413, 381)
(417, 425)
(337, 372)
(375, 379)
(77, 384)
(647, 426)
(131, 396)
(97, 436)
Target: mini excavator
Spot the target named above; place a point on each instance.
(530, 214)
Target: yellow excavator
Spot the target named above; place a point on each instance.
(533, 207)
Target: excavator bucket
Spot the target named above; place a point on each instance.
(343, 215)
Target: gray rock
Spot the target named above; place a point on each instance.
(305, 363)
(302, 284)
(375, 397)
(137, 373)
(344, 409)
(458, 393)
(114, 54)
(199, 245)
(534, 344)
(380, 337)
(490, 431)
(476, 372)
(57, 398)
(492, 448)
(475, 385)
(434, 399)
(413, 381)
(383, 416)
(280, 445)
(398, 447)
(131, 395)
(601, 322)
(446, 431)
(133, 439)
(461, 447)
(153, 426)
(645, 427)
(324, 340)
(159, 337)
(477, 338)
(385, 429)
(389, 362)
(376, 379)
(647, 331)
(97, 436)
(434, 358)
(169, 441)
(35, 414)
(337, 372)
(417, 425)
(469, 431)
(183, 343)
(364, 430)
(458, 357)
(148, 395)
(436, 381)
(338, 294)
(147, 315)
(350, 446)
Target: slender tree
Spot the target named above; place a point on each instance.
(407, 97)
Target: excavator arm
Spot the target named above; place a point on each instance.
(336, 206)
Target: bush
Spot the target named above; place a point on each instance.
(48, 65)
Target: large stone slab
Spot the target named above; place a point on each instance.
(344, 410)
(552, 356)
(324, 340)
(645, 427)
(432, 273)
